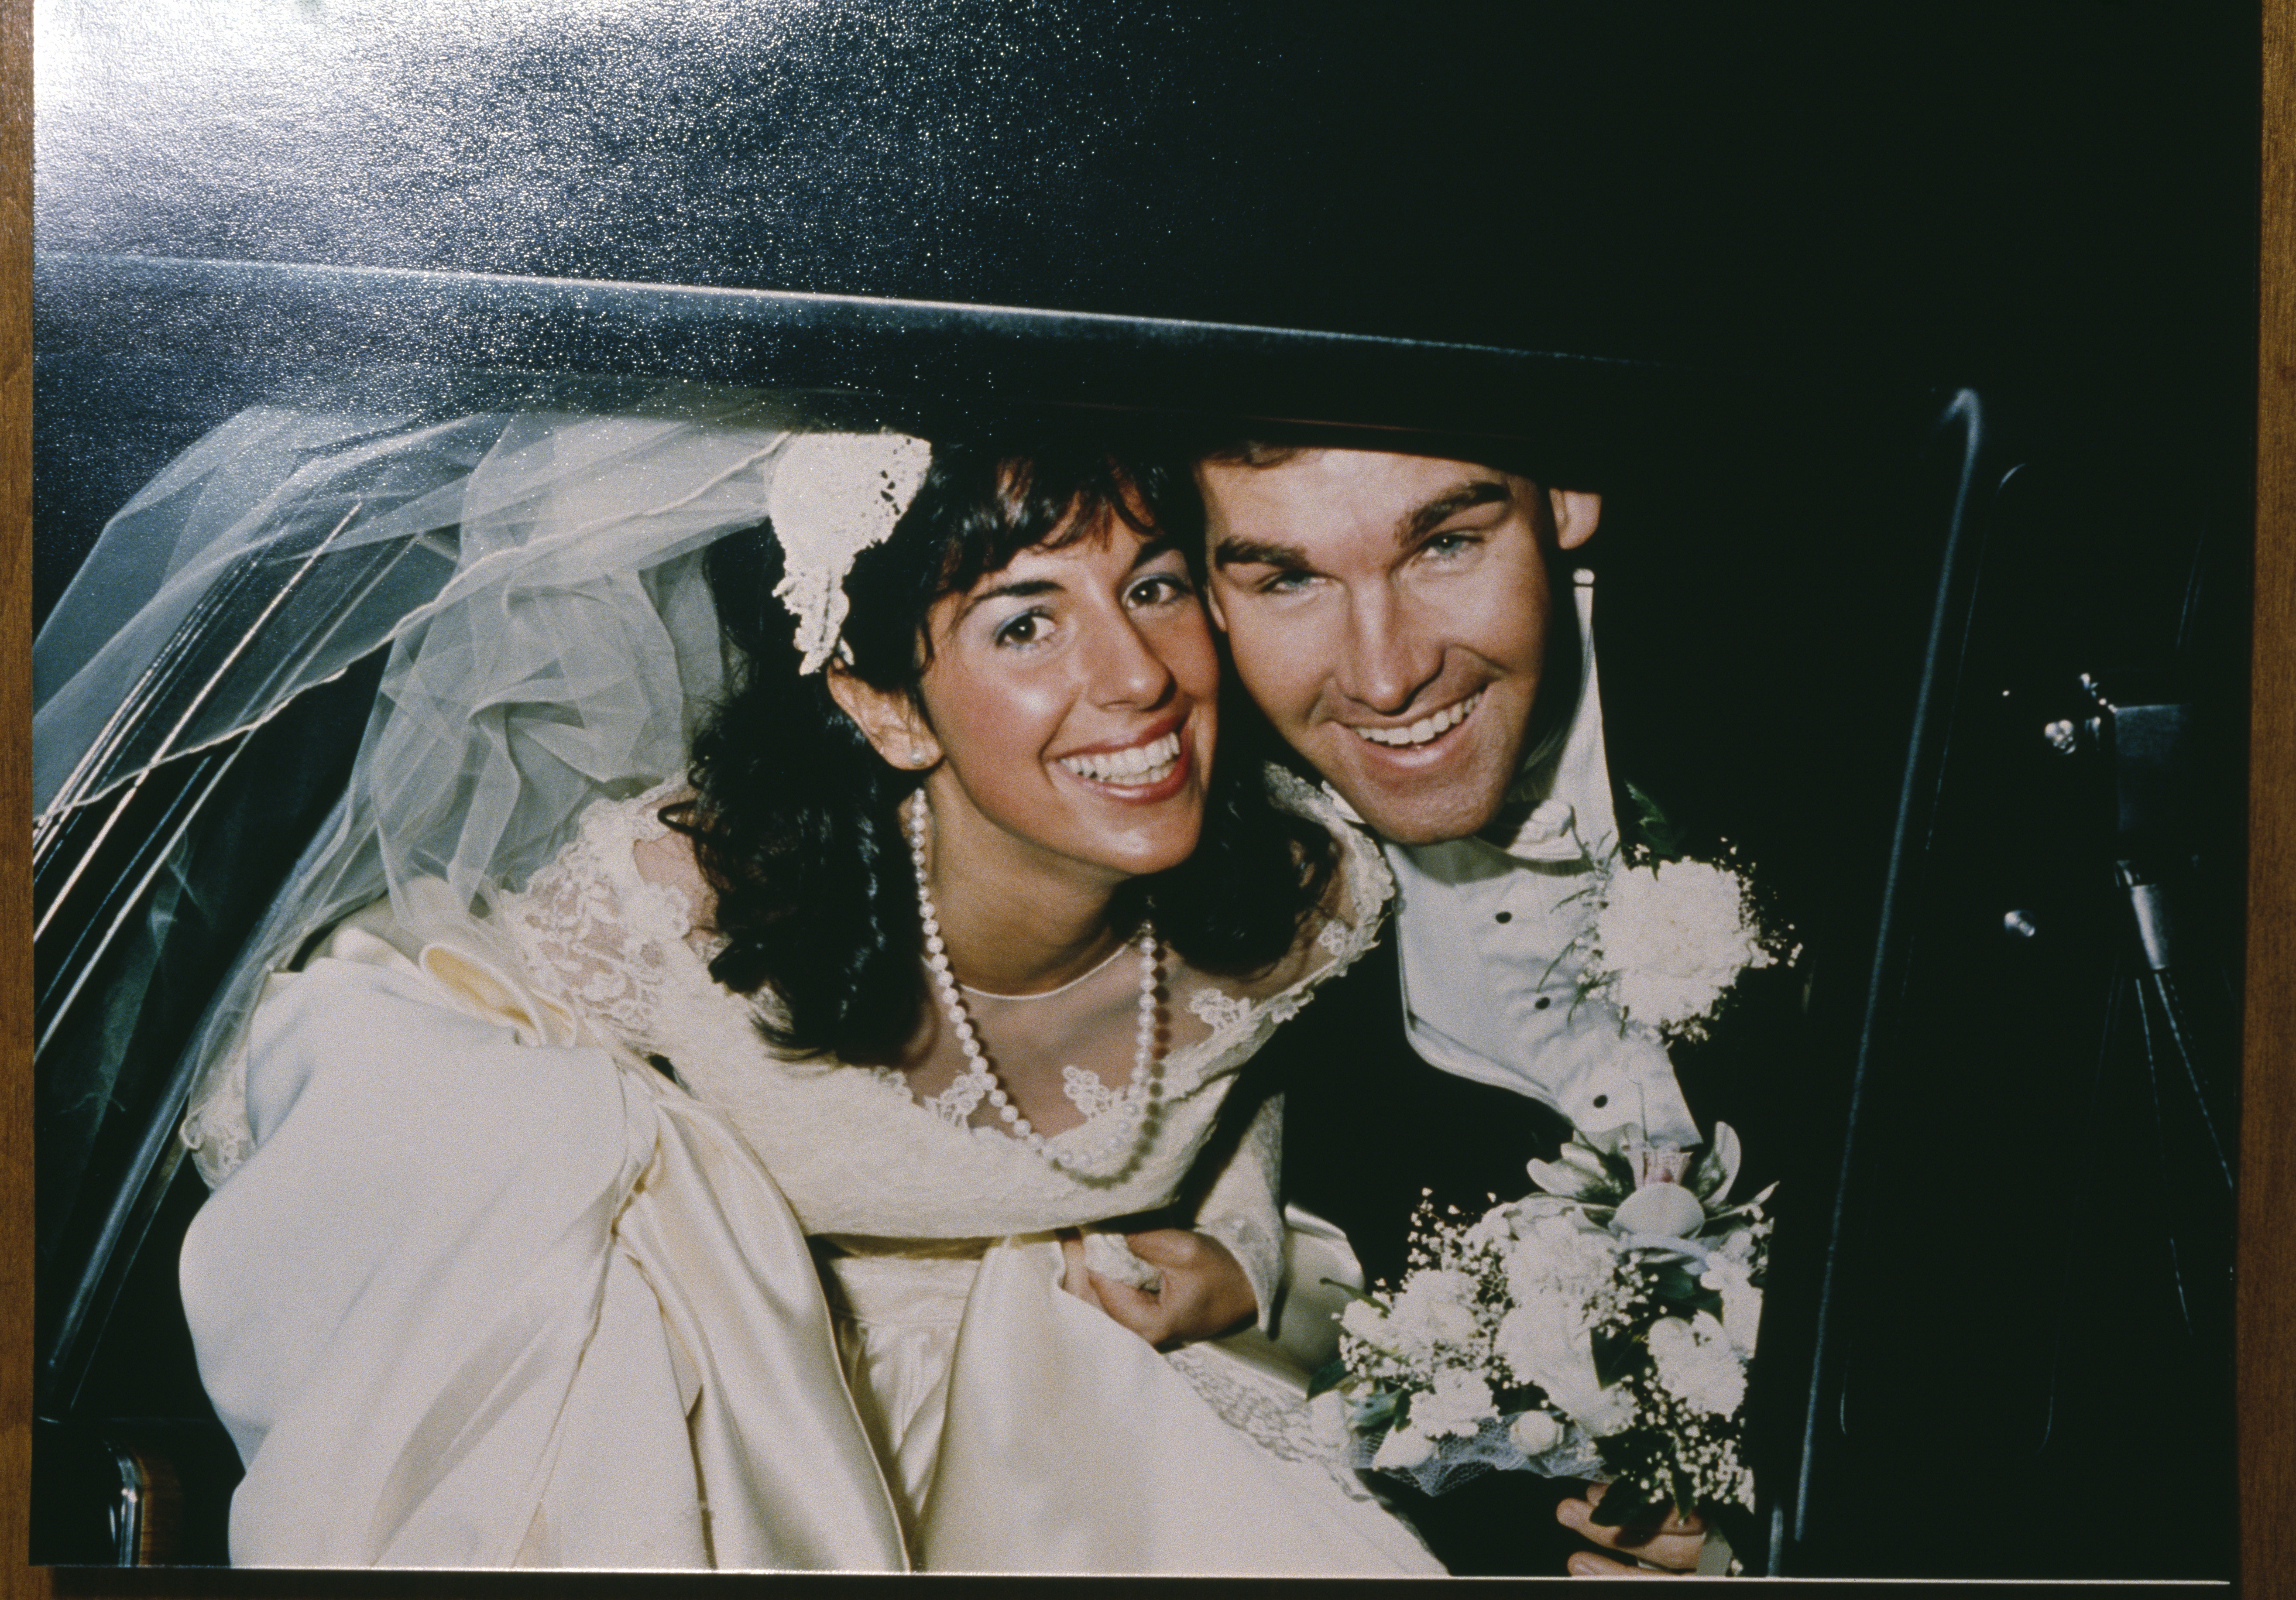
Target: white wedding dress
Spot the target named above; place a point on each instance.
(493, 1289)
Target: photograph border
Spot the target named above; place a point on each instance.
(2267, 1271)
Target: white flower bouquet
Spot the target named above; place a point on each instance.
(1600, 1327)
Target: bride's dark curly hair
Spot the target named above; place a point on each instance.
(795, 818)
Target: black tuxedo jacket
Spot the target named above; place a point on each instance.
(1372, 1130)
(1368, 1128)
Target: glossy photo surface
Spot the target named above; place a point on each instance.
(1546, 445)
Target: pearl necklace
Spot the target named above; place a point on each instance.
(978, 1079)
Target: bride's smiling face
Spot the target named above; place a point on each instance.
(1072, 697)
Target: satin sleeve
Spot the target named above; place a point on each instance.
(1241, 1210)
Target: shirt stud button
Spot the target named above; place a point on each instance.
(1601, 1101)
(1503, 916)
(1541, 1003)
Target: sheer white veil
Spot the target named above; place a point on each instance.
(535, 577)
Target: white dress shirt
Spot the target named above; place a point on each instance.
(1490, 987)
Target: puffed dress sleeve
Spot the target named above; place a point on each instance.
(477, 1301)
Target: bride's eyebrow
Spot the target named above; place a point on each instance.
(1149, 549)
(1019, 589)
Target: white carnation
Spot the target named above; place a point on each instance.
(1365, 1321)
(1435, 1309)
(1670, 938)
(1544, 1341)
(1457, 1409)
(1563, 1255)
(1542, 1333)
(1697, 1365)
(1606, 1411)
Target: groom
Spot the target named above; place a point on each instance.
(1406, 625)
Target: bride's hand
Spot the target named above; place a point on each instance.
(1675, 1546)
(1204, 1294)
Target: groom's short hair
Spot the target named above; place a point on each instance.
(1276, 447)
(1253, 452)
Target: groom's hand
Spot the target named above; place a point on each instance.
(1204, 1294)
(1675, 1546)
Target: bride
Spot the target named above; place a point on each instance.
(747, 1181)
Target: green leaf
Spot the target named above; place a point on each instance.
(1616, 1355)
(1673, 1285)
(1706, 1177)
(1619, 1168)
(1738, 1212)
(1652, 829)
(1328, 1376)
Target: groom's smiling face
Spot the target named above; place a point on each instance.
(1388, 613)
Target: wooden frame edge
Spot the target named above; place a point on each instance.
(2265, 1369)
(16, 1245)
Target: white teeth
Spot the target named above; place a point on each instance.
(1426, 727)
(1140, 765)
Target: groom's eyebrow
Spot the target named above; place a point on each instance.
(1425, 519)
(1253, 552)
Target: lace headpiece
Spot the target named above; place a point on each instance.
(834, 496)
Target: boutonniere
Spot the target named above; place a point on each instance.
(1669, 934)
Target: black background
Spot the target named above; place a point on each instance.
(2052, 199)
